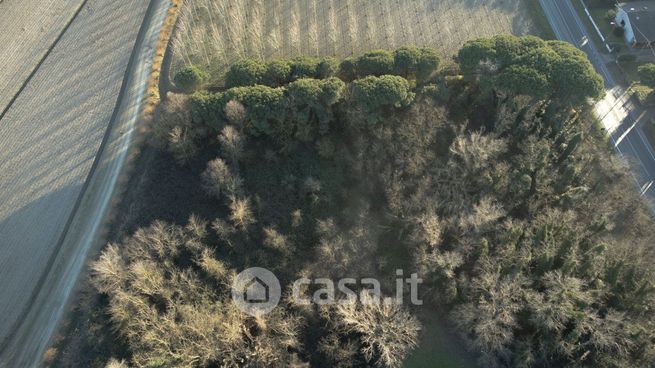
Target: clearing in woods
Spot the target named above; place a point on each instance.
(214, 33)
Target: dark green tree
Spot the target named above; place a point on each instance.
(190, 78)
(348, 69)
(427, 65)
(373, 94)
(327, 67)
(526, 61)
(246, 72)
(376, 63)
(522, 80)
(421, 63)
(278, 73)
(405, 60)
(312, 100)
(304, 67)
(264, 105)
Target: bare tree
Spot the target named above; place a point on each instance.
(241, 214)
(232, 143)
(387, 331)
(219, 180)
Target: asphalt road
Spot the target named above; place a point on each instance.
(63, 142)
(622, 119)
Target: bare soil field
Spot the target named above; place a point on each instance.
(215, 33)
(49, 138)
(29, 28)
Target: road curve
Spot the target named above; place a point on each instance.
(621, 118)
(63, 143)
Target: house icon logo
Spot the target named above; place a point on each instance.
(256, 291)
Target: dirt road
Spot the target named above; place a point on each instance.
(55, 187)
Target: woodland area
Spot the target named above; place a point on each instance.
(486, 175)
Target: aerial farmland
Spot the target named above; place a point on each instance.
(29, 29)
(214, 34)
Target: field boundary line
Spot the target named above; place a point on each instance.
(40, 63)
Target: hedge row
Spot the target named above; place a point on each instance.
(408, 62)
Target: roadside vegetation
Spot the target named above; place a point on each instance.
(481, 175)
(644, 90)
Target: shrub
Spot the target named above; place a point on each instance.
(348, 69)
(316, 92)
(246, 72)
(327, 67)
(304, 67)
(647, 74)
(610, 15)
(439, 92)
(405, 60)
(262, 104)
(427, 65)
(278, 73)
(644, 94)
(190, 78)
(375, 63)
(312, 100)
(373, 93)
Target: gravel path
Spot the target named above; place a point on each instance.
(49, 138)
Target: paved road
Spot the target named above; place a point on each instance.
(63, 142)
(620, 117)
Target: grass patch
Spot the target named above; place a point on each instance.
(539, 18)
(605, 26)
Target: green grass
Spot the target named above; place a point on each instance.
(539, 18)
(606, 28)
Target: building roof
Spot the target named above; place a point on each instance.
(642, 19)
